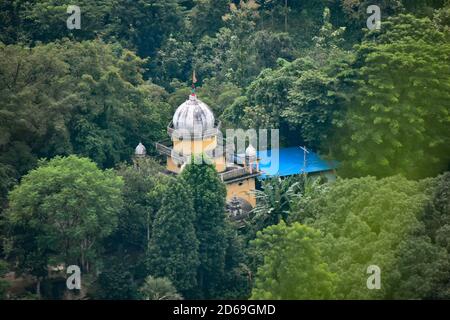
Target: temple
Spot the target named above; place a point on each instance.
(194, 131)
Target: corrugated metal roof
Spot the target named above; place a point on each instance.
(290, 161)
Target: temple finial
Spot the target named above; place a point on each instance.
(194, 81)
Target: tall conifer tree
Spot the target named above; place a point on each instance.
(209, 204)
(174, 246)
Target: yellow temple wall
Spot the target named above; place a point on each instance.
(219, 163)
(172, 166)
(188, 147)
(242, 189)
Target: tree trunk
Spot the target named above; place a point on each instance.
(82, 259)
(148, 229)
(285, 15)
(262, 20)
(38, 288)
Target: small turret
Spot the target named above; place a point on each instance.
(140, 151)
(251, 158)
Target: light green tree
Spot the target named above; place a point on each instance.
(397, 119)
(364, 222)
(159, 289)
(60, 213)
(293, 266)
(423, 259)
(277, 198)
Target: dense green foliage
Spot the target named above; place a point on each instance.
(276, 199)
(159, 289)
(71, 204)
(141, 196)
(367, 227)
(116, 281)
(87, 98)
(208, 194)
(293, 266)
(403, 94)
(386, 223)
(75, 103)
(3, 284)
(60, 213)
(174, 247)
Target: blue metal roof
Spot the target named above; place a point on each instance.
(290, 161)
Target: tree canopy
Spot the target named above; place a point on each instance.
(60, 213)
(74, 103)
(293, 267)
(174, 247)
(397, 121)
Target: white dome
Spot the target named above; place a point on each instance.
(193, 113)
(140, 150)
(250, 152)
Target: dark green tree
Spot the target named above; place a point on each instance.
(138, 25)
(422, 269)
(422, 8)
(268, 95)
(218, 94)
(144, 25)
(140, 195)
(436, 219)
(116, 281)
(302, 98)
(205, 17)
(45, 20)
(174, 248)
(236, 281)
(87, 98)
(173, 61)
(8, 179)
(423, 264)
(4, 285)
(32, 79)
(208, 193)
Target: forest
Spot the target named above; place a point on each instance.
(74, 103)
